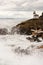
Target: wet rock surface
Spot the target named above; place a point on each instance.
(3, 31)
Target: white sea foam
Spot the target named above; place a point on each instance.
(8, 43)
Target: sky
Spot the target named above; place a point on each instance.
(20, 8)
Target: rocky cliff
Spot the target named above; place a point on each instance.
(26, 26)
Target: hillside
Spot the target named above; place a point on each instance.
(26, 26)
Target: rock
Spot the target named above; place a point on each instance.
(33, 39)
(3, 31)
(40, 47)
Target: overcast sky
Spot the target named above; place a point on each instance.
(19, 7)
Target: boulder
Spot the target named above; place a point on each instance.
(33, 39)
(3, 31)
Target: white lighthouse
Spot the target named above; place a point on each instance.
(35, 16)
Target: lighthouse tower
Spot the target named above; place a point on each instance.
(35, 16)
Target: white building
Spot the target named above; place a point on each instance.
(35, 15)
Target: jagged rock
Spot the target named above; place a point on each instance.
(3, 31)
(33, 39)
(29, 38)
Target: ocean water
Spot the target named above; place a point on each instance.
(10, 43)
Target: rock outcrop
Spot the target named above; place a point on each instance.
(26, 26)
(3, 31)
